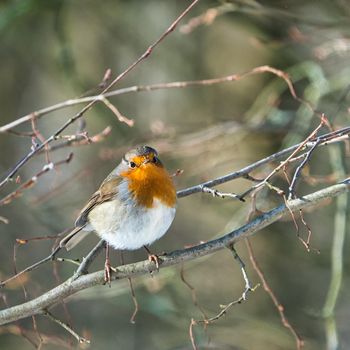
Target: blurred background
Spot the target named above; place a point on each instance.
(56, 50)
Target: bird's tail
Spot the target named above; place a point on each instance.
(72, 239)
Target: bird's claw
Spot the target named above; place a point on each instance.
(107, 272)
(155, 259)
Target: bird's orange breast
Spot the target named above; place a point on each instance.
(150, 182)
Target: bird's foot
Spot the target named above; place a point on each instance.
(154, 258)
(108, 270)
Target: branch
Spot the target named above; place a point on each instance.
(323, 140)
(69, 329)
(335, 136)
(34, 179)
(40, 304)
(147, 88)
(299, 341)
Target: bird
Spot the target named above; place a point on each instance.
(133, 207)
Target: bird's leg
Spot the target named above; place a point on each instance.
(108, 267)
(152, 257)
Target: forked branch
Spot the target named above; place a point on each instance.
(42, 303)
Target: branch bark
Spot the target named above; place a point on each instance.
(71, 286)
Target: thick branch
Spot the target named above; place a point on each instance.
(71, 286)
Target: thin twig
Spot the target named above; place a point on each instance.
(148, 88)
(292, 215)
(309, 233)
(80, 139)
(4, 220)
(58, 280)
(25, 293)
(247, 287)
(134, 299)
(133, 294)
(29, 334)
(299, 341)
(72, 261)
(325, 140)
(33, 180)
(224, 308)
(40, 137)
(193, 292)
(116, 112)
(311, 136)
(206, 18)
(243, 297)
(79, 338)
(31, 267)
(193, 342)
(297, 172)
(216, 193)
(88, 260)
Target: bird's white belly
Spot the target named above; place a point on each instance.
(130, 227)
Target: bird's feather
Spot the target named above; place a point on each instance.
(107, 191)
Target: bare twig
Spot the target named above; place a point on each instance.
(216, 193)
(224, 308)
(87, 261)
(40, 137)
(80, 139)
(134, 299)
(153, 87)
(325, 140)
(116, 112)
(243, 297)
(106, 78)
(193, 292)
(33, 180)
(206, 18)
(300, 168)
(247, 287)
(25, 293)
(41, 238)
(4, 220)
(193, 342)
(79, 338)
(269, 291)
(309, 138)
(29, 335)
(309, 234)
(139, 88)
(133, 295)
(72, 261)
(31, 267)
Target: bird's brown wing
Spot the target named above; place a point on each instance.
(107, 191)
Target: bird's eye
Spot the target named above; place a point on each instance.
(132, 165)
(155, 160)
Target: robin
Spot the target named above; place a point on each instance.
(134, 206)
